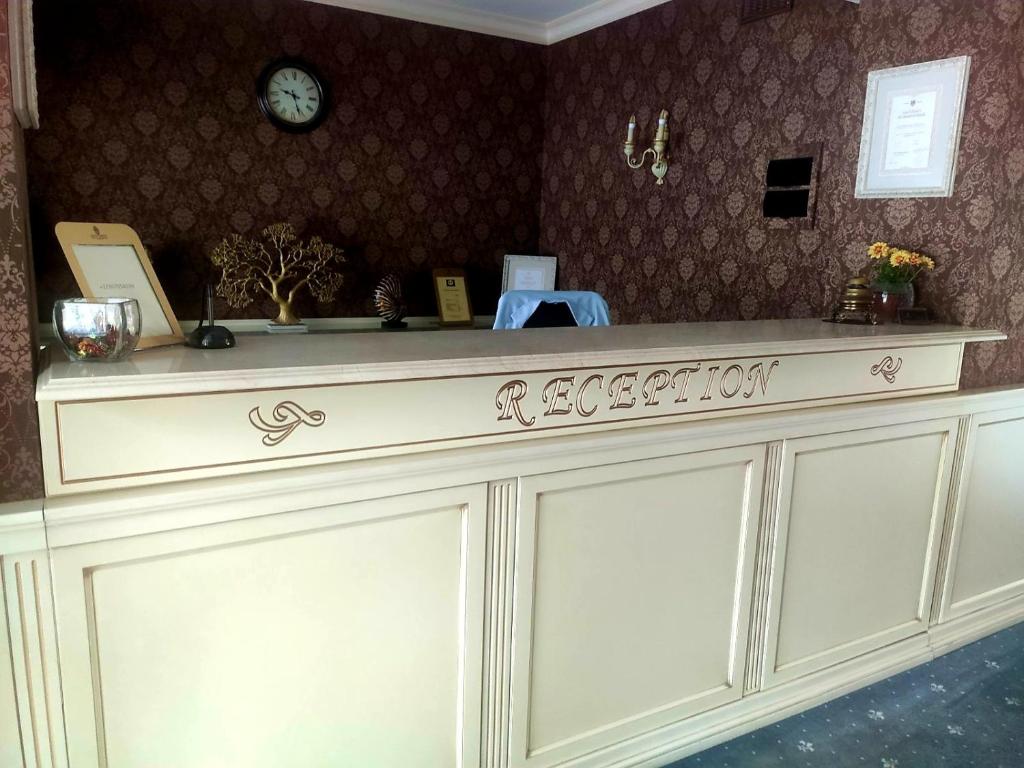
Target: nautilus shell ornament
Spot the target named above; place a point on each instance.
(387, 298)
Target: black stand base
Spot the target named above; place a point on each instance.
(394, 325)
(210, 337)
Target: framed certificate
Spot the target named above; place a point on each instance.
(452, 292)
(108, 261)
(911, 135)
(529, 273)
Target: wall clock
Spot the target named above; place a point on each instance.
(292, 95)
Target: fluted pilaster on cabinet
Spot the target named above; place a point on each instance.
(501, 527)
(28, 603)
(767, 526)
(944, 575)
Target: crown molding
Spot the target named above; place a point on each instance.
(595, 15)
(444, 14)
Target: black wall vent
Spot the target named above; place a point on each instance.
(791, 187)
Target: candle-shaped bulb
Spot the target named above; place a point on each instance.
(631, 130)
(662, 133)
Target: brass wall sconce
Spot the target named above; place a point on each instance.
(659, 152)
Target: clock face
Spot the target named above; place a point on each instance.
(291, 95)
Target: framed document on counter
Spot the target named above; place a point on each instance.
(911, 135)
(109, 261)
(452, 292)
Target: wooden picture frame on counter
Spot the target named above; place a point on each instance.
(109, 261)
(452, 293)
(529, 273)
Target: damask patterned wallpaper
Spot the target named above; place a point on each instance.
(432, 152)
(429, 157)
(697, 248)
(20, 468)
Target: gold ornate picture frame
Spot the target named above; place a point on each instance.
(109, 261)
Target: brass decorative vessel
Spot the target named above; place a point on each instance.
(856, 304)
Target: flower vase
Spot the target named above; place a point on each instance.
(890, 298)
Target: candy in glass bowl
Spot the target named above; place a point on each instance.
(97, 329)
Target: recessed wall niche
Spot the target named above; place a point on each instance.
(791, 186)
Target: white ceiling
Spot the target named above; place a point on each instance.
(536, 21)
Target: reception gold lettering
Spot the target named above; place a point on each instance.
(685, 373)
(558, 390)
(625, 383)
(513, 392)
(756, 376)
(583, 392)
(654, 383)
(712, 370)
(728, 390)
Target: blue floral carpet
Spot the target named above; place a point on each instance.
(963, 710)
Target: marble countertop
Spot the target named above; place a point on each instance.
(261, 361)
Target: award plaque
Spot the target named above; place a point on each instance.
(452, 292)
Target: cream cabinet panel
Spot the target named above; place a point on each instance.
(341, 636)
(855, 557)
(987, 554)
(633, 587)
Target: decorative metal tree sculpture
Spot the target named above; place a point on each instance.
(280, 268)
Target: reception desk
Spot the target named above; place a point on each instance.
(557, 547)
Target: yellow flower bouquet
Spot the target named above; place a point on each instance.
(895, 270)
(896, 266)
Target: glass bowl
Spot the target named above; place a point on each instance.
(97, 329)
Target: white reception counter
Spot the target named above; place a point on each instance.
(523, 549)
(276, 402)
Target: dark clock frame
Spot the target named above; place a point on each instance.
(261, 94)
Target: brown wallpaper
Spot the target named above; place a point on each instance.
(432, 152)
(20, 467)
(697, 248)
(430, 155)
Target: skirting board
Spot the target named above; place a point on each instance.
(667, 745)
(963, 630)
